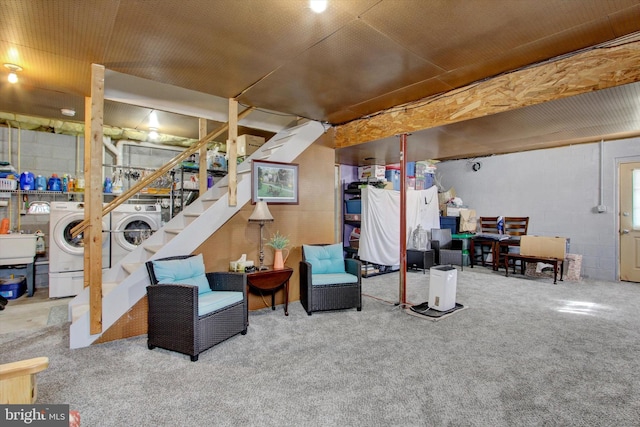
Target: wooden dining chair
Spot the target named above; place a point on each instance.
(482, 247)
(516, 225)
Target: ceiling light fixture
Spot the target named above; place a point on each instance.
(153, 120)
(318, 6)
(69, 112)
(13, 77)
(153, 134)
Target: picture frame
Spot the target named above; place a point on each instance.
(274, 182)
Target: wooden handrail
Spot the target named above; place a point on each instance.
(157, 174)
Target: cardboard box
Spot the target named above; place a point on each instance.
(371, 172)
(546, 247)
(248, 144)
(453, 211)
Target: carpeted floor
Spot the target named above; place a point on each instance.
(524, 353)
(58, 315)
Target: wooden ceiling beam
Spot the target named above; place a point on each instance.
(596, 69)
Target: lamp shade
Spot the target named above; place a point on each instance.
(261, 213)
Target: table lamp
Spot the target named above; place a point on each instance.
(261, 215)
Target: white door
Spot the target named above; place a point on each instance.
(630, 222)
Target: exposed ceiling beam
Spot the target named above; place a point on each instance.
(587, 71)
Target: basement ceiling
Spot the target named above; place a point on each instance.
(184, 59)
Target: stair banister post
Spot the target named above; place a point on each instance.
(232, 151)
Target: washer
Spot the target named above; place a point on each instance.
(66, 254)
(132, 224)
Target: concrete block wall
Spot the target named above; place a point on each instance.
(558, 189)
(45, 153)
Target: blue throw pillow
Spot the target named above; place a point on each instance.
(188, 271)
(327, 259)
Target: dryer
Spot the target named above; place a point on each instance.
(132, 224)
(66, 254)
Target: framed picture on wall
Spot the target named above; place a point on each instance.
(274, 182)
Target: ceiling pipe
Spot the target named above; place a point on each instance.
(72, 128)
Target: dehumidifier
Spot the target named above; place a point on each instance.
(442, 287)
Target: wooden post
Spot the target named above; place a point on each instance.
(202, 165)
(94, 202)
(232, 152)
(87, 190)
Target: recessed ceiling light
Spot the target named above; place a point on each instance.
(318, 6)
(69, 112)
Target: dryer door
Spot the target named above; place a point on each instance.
(134, 229)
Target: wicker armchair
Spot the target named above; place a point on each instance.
(184, 318)
(322, 287)
(447, 250)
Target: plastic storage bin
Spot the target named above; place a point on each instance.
(12, 288)
(8, 184)
(393, 176)
(354, 206)
(450, 222)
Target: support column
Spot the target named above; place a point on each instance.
(93, 200)
(403, 220)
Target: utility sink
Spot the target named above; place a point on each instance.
(17, 249)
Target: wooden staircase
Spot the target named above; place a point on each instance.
(124, 284)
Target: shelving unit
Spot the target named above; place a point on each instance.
(181, 196)
(348, 223)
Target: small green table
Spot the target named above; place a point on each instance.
(466, 239)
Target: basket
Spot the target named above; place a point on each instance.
(8, 184)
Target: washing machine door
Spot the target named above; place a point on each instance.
(134, 229)
(75, 245)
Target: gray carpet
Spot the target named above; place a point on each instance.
(58, 314)
(524, 353)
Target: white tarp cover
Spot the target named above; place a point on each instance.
(380, 221)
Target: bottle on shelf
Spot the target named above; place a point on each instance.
(108, 186)
(41, 183)
(54, 183)
(79, 187)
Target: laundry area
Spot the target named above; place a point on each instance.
(42, 200)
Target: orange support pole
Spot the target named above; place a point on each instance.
(403, 220)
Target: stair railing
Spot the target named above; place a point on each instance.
(80, 227)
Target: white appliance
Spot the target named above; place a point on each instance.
(442, 287)
(66, 253)
(132, 224)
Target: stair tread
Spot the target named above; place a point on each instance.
(153, 248)
(78, 310)
(131, 267)
(108, 287)
(173, 230)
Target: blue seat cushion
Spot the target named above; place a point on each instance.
(326, 259)
(332, 279)
(188, 271)
(215, 300)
